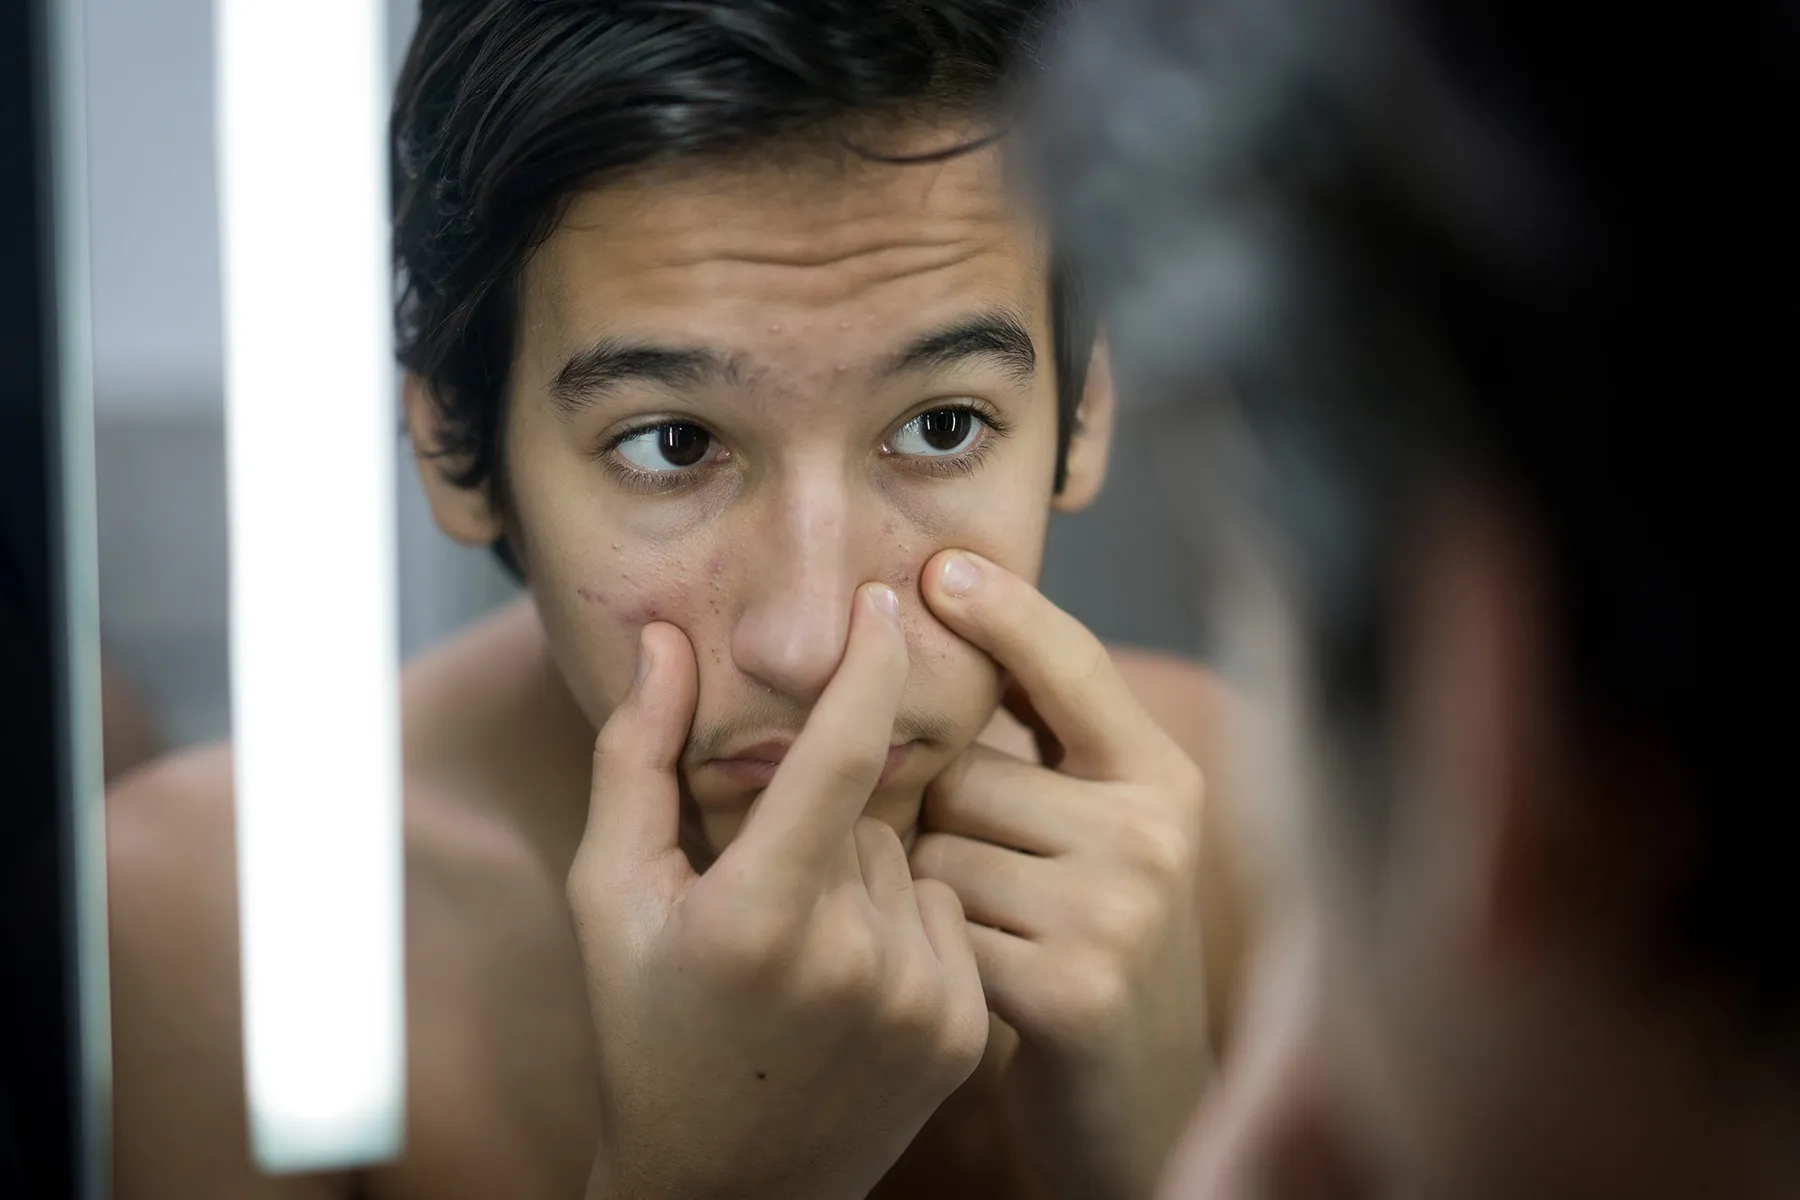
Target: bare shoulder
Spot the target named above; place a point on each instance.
(492, 972)
(1186, 698)
(172, 880)
(178, 1090)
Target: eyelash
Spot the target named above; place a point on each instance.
(655, 482)
(647, 482)
(968, 462)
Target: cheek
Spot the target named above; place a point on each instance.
(997, 528)
(629, 594)
(595, 611)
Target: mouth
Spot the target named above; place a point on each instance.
(754, 766)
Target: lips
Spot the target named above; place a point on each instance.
(754, 766)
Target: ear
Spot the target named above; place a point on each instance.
(1091, 441)
(465, 514)
(1512, 836)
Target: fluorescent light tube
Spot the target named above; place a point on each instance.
(310, 431)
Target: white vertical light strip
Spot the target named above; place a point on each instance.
(310, 429)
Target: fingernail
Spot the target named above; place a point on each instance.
(886, 601)
(960, 575)
(643, 667)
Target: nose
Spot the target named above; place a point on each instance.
(809, 559)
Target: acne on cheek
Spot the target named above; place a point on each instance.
(636, 598)
(715, 582)
(650, 592)
(903, 577)
(935, 648)
(631, 611)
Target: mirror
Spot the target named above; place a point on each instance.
(744, 378)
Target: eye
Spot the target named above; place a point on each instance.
(668, 447)
(939, 433)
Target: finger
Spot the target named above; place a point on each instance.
(1017, 701)
(823, 784)
(991, 796)
(886, 875)
(634, 809)
(1008, 966)
(998, 887)
(1081, 698)
(947, 929)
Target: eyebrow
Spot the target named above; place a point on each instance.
(997, 335)
(609, 363)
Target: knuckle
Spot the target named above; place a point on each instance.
(913, 1002)
(962, 1041)
(592, 887)
(1123, 915)
(935, 893)
(943, 795)
(1162, 850)
(1091, 997)
(1087, 662)
(611, 744)
(1187, 781)
(846, 962)
(927, 860)
(581, 885)
(875, 836)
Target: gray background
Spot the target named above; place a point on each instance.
(158, 376)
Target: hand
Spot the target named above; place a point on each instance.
(1080, 881)
(784, 1024)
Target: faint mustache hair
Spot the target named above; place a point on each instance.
(768, 714)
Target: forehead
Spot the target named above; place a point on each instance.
(788, 241)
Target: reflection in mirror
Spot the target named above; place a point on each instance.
(716, 330)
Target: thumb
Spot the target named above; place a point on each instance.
(634, 807)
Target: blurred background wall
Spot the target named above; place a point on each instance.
(158, 380)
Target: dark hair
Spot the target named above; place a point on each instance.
(507, 108)
(1556, 252)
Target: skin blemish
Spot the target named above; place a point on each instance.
(762, 1074)
(843, 324)
(775, 328)
(591, 596)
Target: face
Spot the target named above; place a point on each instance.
(741, 391)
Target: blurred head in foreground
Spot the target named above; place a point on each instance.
(1468, 326)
